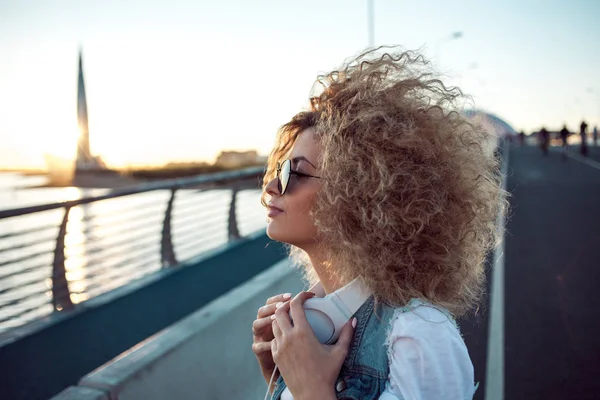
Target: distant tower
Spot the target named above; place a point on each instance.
(85, 160)
(63, 171)
(84, 155)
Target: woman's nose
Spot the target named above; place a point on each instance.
(272, 187)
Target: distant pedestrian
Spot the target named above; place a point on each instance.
(564, 135)
(583, 134)
(521, 138)
(544, 140)
(595, 136)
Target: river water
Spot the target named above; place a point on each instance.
(108, 243)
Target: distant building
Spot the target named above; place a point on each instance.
(234, 159)
(187, 164)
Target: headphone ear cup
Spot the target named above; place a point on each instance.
(321, 325)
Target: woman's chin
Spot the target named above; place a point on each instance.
(274, 232)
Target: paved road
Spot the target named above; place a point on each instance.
(552, 280)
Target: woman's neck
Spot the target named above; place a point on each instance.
(322, 267)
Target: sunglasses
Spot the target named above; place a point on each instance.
(284, 172)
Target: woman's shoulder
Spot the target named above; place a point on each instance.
(426, 322)
(427, 354)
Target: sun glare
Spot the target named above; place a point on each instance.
(59, 143)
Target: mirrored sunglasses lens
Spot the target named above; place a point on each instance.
(279, 177)
(284, 176)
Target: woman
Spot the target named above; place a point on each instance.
(387, 188)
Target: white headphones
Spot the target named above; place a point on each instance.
(328, 314)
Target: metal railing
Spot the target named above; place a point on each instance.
(54, 256)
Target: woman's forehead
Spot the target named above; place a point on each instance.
(306, 146)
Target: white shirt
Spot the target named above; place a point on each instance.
(428, 358)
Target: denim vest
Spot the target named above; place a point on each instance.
(365, 370)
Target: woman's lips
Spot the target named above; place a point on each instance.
(273, 211)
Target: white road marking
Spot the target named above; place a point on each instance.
(588, 161)
(494, 373)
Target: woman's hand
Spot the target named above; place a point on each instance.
(262, 335)
(308, 367)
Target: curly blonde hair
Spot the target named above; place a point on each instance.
(409, 195)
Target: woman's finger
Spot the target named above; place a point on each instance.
(266, 311)
(258, 348)
(282, 316)
(343, 343)
(273, 348)
(278, 298)
(269, 309)
(276, 330)
(259, 326)
(297, 309)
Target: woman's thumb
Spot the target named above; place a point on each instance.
(346, 337)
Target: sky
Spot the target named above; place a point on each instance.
(181, 80)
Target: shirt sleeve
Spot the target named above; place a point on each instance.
(428, 358)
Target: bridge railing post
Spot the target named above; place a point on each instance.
(167, 252)
(233, 232)
(61, 296)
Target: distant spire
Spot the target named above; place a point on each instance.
(83, 147)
